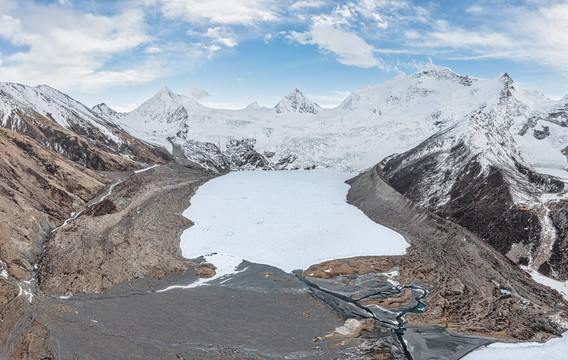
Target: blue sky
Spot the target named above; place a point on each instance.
(229, 53)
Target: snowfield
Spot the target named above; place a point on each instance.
(287, 219)
(555, 349)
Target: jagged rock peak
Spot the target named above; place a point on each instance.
(506, 78)
(296, 101)
(506, 92)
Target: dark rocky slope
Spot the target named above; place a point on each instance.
(473, 175)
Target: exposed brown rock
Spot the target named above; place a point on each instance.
(557, 264)
(38, 191)
(205, 270)
(134, 233)
(352, 328)
(22, 335)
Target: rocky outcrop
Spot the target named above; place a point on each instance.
(242, 155)
(557, 264)
(133, 233)
(106, 112)
(23, 334)
(237, 155)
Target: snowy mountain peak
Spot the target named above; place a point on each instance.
(443, 73)
(296, 101)
(166, 107)
(253, 105)
(165, 94)
(506, 78)
(166, 98)
(106, 112)
(48, 102)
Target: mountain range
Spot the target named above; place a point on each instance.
(481, 153)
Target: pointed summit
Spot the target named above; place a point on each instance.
(253, 105)
(508, 87)
(296, 101)
(167, 98)
(165, 94)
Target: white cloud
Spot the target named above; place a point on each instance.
(211, 50)
(371, 10)
(9, 27)
(124, 108)
(309, 4)
(349, 48)
(267, 38)
(102, 79)
(329, 100)
(153, 50)
(475, 10)
(199, 94)
(65, 2)
(235, 12)
(522, 33)
(68, 49)
(333, 33)
(221, 35)
(412, 34)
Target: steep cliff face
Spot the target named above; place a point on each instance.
(51, 149)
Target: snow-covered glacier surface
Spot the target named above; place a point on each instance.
(287, 219)
(555, 349)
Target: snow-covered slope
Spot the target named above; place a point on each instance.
(369, 125)
(71, 129)
(105, 112)
(50, 103)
